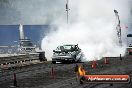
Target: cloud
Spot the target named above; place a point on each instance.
(31, 11)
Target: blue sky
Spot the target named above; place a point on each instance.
(10, 33)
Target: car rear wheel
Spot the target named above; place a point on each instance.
(79, 61)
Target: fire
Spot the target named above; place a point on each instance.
(81, 71)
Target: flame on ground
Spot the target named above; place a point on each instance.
(81, 71)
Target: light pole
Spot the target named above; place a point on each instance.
(67, 10)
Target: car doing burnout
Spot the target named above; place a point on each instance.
(67, 53)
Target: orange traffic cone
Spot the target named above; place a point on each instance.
(15, 81)
(106, 61)
(52, 73)
(94, 64)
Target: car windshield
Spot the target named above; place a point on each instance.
(65, 47)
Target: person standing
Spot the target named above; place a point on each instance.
(76, 71)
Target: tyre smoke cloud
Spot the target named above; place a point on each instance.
(91, 23)
(91, 26)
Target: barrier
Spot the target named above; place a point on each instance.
(106, 61)
(94, 64)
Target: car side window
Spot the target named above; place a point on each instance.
(76, 48)
(58, 48)
(72, 48)
(61, 48)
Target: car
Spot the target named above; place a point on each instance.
(67, 53)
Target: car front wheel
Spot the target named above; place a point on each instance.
(53, 62)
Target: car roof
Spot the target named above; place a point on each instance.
(69, 45)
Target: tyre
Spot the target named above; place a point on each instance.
(53, 62)
(79, 61)
(73, 61)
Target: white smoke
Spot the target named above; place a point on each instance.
(91, 26)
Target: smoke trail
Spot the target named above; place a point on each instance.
(92, 26)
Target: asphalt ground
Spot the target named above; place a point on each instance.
(39, 75)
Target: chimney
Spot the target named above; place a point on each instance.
(21, 31)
